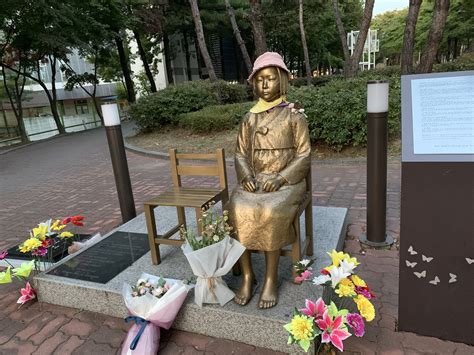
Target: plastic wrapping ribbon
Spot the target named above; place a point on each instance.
(140, 322)
(211, 285)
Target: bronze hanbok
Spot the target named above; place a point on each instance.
(270, 143)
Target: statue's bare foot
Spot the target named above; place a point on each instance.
(269, 295)
(244, 294)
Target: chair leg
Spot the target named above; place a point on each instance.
(296, 246)
(308, 221)
(151, 228)
(181, 216)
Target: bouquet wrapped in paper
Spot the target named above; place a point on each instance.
(211, 256)
(153, 303)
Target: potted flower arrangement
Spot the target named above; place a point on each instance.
(42, 245)
(339, 314)
(50, 239)
(211, 255)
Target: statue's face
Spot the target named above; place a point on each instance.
(267, 84)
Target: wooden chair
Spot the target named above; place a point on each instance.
(305, 206)
(181, 197)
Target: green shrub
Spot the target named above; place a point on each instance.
(316, 81)
(163, 107)
(215, 118)
(337, 111)
(232, 93)
(464, 62)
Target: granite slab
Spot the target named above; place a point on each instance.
(246, 324)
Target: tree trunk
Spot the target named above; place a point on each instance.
(167, 55)
(146, 66)
(187, 55)
(409, 37)
(125, 69)
(428, 55)
(16, 103)
(256, 20)
(351, 63)
(238, 37)
(202, 42)
(53, 99)
(304, 44)
(455, 49)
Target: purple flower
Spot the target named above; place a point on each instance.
(364, 291)
(3, 254)
(41, 251)
(356, 322)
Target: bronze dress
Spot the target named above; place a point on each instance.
(271, 143)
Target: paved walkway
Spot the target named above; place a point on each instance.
(73, 175)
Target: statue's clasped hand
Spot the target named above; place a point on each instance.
(274, 184)
(249, 184)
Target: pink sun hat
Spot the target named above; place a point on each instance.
(267, 59)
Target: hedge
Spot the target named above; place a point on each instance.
(337, 111)
(163, 107)
(215, 118)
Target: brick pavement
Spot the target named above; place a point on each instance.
(72, 175)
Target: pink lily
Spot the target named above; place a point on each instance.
(315, 310)
(3, 254)
(27, 294)
(305, 275)
(332, 331)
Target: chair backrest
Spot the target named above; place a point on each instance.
(217, 169)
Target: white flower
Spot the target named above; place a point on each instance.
(215, 238)
(337, 274)
(305, 262)
(321, 279)
(347, 266)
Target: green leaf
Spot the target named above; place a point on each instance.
(305, 344)
(24, 270)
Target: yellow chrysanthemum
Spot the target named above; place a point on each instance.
(301, 328)
(40, 231)
(345, 291)
(56, 226)
(66, 235)
(346, 282)
(366, 309)
(30, 244)
(336, 257)
(358, 281)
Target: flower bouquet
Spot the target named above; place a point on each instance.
(339, 314)
(152, 303)
(211, 256)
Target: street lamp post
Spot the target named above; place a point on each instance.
(377, 113)
(113, 130)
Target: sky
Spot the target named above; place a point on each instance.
(389, 5)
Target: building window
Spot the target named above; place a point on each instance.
(81, 107)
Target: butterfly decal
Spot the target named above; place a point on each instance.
(420, 274)
(453, 278)
(426, 258)
(411, 264)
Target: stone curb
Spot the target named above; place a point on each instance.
(165, 156)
